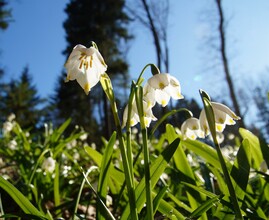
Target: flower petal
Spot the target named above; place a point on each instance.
(162, 97)
(159, 81)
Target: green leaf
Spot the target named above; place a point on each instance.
(200, 189)
(204, 207)
(240, 170)
(57, 133)
(178, 202)
(105, 174)
(158, 198)
(169, 210)
(255, 148)
(20, 199)
(184, 169)
(205, 151)
(116, 177)
(156, 170)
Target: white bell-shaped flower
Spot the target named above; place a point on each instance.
(86, 65)
(191, 129)
(134, 119)
(223, 116)
(165, 87)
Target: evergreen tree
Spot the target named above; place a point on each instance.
(5, 15)
(103, 22)
(20, 97)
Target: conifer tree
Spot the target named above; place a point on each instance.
(20, 97)
(5, 15)
(103, 22)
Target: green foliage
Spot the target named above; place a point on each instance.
(186, 176)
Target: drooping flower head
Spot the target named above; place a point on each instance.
(148, 115)
(223, 116)
(86, 65)
(165, 86)
(191, 129)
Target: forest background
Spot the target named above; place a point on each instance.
(37, 36)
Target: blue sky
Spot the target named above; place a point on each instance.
(36, 39)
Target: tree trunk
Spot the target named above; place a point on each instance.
(226, 64)
(155, 35)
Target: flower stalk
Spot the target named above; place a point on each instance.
(212, 127)
(139, 103)
(107, 86)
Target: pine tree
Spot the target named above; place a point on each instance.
(20, 97)
(103, 22)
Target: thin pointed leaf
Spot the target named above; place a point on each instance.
(240, 170)
(157, 168)
(19, 198)
(105, 174)
(117, 177)
(204, 207)
(158, 198)
(57, 133)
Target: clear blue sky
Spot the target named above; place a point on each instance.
(36, 38)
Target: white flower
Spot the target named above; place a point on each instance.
(7, 127)
(12, 144)
(223, 116)
(109, 200)
(49, 164)
(149, 95)
(191, 129)
(11, 117)
(165, 86)
(86, 65)
(148, 115)
(83, 137)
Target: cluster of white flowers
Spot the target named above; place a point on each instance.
(160, 88)
(193, 127)
(8, 124)
(86, 65)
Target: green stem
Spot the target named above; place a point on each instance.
(127, 166)
(57, 199)
(127, 170)
(139, 103)
(233, 196)
(211, 122)
(128, 132)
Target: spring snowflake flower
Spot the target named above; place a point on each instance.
(165, 86)
(223, 116)
(13, 144)
(148, 115)
(191, 129)
(86, 65)
(149, 95)
(49, 164)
